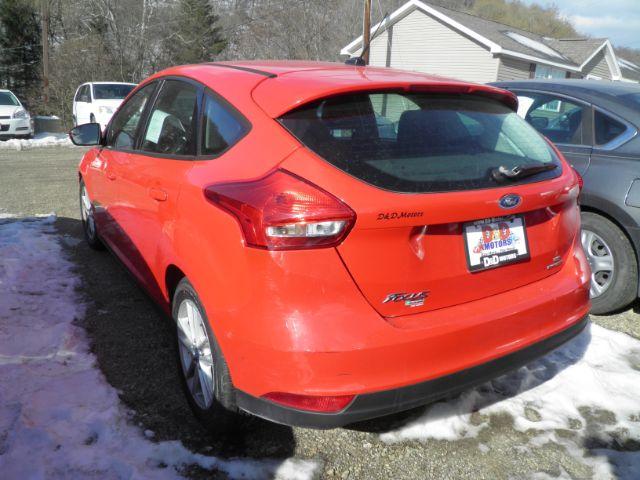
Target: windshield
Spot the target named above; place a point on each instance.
(111, 91)
(420, 142)
(7, 98)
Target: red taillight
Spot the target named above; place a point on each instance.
(311, 403)
(283, 211)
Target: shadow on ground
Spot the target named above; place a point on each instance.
(134, 343)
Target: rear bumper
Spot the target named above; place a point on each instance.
(334, 343)
(372, 405)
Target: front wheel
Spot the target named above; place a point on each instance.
(89, 226)
(614, 268)
(205, 376)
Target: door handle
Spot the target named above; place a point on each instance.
(111, 175)
(158, 194)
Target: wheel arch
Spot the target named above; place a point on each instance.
(614, 220)
(173, 275)
(623, 229)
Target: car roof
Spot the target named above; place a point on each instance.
(606, 94)
(601, 86)
(282, 85)
(110, 83)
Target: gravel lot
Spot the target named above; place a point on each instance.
(134, 346)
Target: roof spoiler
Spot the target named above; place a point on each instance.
(503, 96)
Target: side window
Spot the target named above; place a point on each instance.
(560, 120)
(222, 127)
(78, 94)
(123, 126)
(606, 128)
(83, 94)
(172, 122)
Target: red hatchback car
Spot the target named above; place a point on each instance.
(337, 243)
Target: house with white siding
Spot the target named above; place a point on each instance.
(429, 38)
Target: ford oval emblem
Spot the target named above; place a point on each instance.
(510, 200)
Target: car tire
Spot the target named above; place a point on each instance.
(89, 227)
(601, 238)
(216, 409)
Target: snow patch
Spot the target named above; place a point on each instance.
(534, 45)
(59, 418)
(590, 386)
(41, 140)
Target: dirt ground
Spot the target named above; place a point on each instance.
(134, 346)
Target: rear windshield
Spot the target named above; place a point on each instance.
(419, 142)
(111, 91)
(7, 98)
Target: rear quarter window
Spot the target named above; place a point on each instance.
(223, 126)
(419, 142)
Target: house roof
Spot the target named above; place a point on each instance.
(630, 70)
(571, 54)
(502, 35)
(579, 50)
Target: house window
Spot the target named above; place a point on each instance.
(554, 106)
(544, 71)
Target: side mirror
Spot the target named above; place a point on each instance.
(539, 123)
(87, 134)
(85, 98)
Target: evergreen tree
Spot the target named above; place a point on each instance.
(197, 37)
(20, 47)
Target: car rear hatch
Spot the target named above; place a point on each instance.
(456, 197)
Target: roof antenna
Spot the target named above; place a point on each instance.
(359, 60)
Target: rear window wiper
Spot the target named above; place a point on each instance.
(504, 174)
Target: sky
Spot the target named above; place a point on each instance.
(618, 20)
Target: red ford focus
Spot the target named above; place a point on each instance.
(336, 243)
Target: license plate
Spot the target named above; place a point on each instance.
(494, 242)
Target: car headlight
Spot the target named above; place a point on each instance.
(22, 113)
(105, 110)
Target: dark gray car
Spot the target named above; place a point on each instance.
(595, 125)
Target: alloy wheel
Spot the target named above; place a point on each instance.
(601, 261)
(86, 211)
(196, 357)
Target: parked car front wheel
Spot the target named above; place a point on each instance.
(89, 226)
(614, 268)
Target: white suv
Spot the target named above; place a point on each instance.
(14, 118)
(95, 102)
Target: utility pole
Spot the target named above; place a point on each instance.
(45, 52)
(366, 31)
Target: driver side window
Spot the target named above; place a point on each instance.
(171, 129)
(122, 130)
(560, 120)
